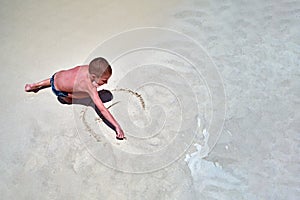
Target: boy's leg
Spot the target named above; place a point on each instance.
(35, 87)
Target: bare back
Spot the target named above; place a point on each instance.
(74, 80)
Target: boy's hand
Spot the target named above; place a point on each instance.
(120, 134)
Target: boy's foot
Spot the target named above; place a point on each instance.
(31, 88)
(64, 100)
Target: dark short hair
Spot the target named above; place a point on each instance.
(99, 66)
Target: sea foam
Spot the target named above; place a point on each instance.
(209, 178)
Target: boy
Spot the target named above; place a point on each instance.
(81, 82)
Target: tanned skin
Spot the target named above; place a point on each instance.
(79, 83)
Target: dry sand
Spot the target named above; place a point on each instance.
(238, 55)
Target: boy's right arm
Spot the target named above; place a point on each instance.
(105, 112)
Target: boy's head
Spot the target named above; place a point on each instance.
(99, 70)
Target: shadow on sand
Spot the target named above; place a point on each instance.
(105, 96)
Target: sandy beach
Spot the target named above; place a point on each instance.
(207, 93)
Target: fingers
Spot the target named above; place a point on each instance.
(120, 135)
(121, 138)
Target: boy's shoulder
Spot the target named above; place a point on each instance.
(77, 72)
(78, 69)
